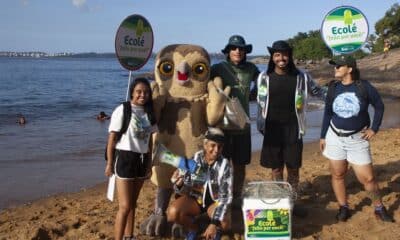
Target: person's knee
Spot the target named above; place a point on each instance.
(125, 208)
(367, 180)
(172, 214)
(338, 175)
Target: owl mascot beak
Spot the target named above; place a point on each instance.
(183, 70)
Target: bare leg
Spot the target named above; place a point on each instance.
(366, 177)
(183, 211)
(277, 174)
(125, 201)
(226, 223)
(338, 172)
(130, 224)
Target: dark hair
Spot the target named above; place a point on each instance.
(355, 73)
(291, 66)
(148, 106)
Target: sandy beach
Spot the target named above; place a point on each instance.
(89, 215)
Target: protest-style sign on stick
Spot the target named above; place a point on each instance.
(344, 30)
(134, 43)
(133, 46)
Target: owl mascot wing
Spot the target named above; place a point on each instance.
(186, 102)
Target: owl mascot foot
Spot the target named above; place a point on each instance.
(156, 223)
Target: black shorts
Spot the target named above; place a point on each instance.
(132, 165)
(281, 146)
(237, 147)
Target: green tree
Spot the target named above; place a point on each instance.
(388, 27)
(309, 46)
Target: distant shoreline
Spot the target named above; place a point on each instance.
(35, 54)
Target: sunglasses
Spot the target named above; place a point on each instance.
(339, 66)
(233, 48)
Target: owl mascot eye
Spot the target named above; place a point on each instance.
(186, 102)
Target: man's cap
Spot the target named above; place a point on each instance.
(237, 41)
(343, 60)
(215, 134)
(279, 46)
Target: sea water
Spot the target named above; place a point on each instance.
(61, 148)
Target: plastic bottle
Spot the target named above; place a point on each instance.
(299, 102)
(167, 157)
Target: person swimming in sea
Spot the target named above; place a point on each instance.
(21, 120)
(102, 116)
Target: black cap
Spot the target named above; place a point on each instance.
(344, 60)
(215, 134)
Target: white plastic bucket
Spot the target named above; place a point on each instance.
(267, 211)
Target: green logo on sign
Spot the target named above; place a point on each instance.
(139, 28)
(348, 18)
(134, 42)
(345, 29)
(268, 223)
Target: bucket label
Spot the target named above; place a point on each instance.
(268, 223)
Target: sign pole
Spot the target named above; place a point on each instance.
(133, 47)
(127, 88)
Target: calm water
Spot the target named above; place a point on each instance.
(60, 149)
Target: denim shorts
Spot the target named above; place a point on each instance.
(353, 148)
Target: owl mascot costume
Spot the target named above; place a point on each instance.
(186, 102)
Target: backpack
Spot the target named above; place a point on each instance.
(127, 112)
(361, 90)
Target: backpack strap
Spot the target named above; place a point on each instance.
(362, 91)
(331, 91)
(127, 113)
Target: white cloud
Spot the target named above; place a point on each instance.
(81, 4)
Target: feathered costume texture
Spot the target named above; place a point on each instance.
(186, 102)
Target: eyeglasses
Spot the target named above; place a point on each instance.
(233, 48)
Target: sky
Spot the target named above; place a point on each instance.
(90, 25)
